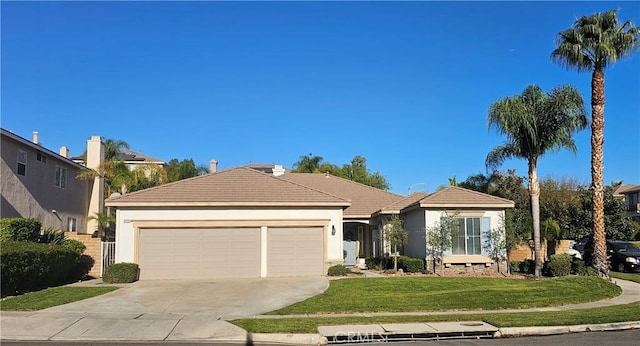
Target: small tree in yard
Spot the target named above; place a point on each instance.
(496, 245)
(440, 238)
(396, 235)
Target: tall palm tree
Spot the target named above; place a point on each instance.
(591, 44)
(308, 164)
(112, 147)
(536, 123)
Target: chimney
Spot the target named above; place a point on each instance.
(64, 151)
(35, 137)
(95, 157)
(278, 170)
(213, 166)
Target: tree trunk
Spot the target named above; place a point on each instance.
(395, 257)
(597, 170)
(534, 192)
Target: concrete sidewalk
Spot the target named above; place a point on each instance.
(70, 325)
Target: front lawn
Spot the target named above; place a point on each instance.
(438, 294)
(52, 297)
(626, 276)
(609, 314)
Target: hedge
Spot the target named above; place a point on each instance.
(29, 266)
(121, 273)
(407, 264)
(19, 229)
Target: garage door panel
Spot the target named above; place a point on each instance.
(295, 251)
(199, 253)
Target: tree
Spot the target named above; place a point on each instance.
(356, 170)
(396, 235)
(592, 44)
(308, 164)
(496, 245)
(536, 123)
(440, 238)
(105, 224)
(178, 170)
(113, 147)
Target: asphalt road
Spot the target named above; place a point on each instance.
(620, 338)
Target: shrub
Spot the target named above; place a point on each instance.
(378, 263)
(74, 245)
(19, 229)
(52, 235)
(338, 270)
(27, 266)
(515, 266)
(527, 266)
(578, 267)
(560, 264)
(412, 265)
(118, 273)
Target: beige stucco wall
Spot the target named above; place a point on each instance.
(128, 218)
(35, 195)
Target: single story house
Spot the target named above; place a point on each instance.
(248, 222)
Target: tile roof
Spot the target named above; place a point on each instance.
(454, 196)
(132, 156)
(239, 186)
(622, 189)
(394, 208)
(365, 200)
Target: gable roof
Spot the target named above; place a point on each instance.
(396, 207)
(239, 186)
(38, 147)
(455, 197)
(365, 200)
(622, 189)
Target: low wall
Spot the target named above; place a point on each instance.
(93, 250)
(524, 251)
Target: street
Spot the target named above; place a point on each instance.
(628, 337)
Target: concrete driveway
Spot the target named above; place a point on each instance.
(162, 310)
(220, 299)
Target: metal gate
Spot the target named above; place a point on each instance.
(107, 255)
(350, 249)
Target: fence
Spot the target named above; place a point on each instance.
(107, 255)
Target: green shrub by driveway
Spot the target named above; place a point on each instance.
(338, 270)
(121, 273)
(440, 293)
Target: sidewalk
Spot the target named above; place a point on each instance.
(118, 326)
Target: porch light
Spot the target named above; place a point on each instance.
(333, 229)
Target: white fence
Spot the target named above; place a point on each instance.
(107, 255)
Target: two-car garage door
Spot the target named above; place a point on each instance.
(196, 253)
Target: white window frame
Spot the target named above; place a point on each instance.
(40, 156)
(72, 224)
(61, 177)
(467, 231)
(22, 161)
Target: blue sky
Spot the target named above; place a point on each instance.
(404, 84)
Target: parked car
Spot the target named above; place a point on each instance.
(623, 256)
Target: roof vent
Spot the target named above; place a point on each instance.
(278, 170)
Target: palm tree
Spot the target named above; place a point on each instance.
(591, 44)
(105, 222)
(536, 123)
(112, 147)
(308, 164)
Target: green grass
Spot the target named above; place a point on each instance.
(626, 276)
(610, 314)
(52, 297)
(438, 294)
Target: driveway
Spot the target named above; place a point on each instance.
(219, 299)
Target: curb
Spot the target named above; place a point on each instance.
(294, 339)
(553, 330)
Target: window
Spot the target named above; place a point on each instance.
(71, 224)
(466, 240)
(22, 162)
(61, 177)
(41, 157)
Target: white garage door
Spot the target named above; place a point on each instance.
(193, 253)
(295, 251)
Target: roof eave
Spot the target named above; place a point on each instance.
(457, 205)
(116, 203)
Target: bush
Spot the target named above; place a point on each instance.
(74, 245)
(19, 229)
(52, 235)
(560, 264)
(119, 273)
(515, 266)
(578, 267)
(527, 266)
(378, 263)
(412, 265)
(27, 266)
(338, 270)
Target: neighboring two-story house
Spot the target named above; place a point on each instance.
(631, 195)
